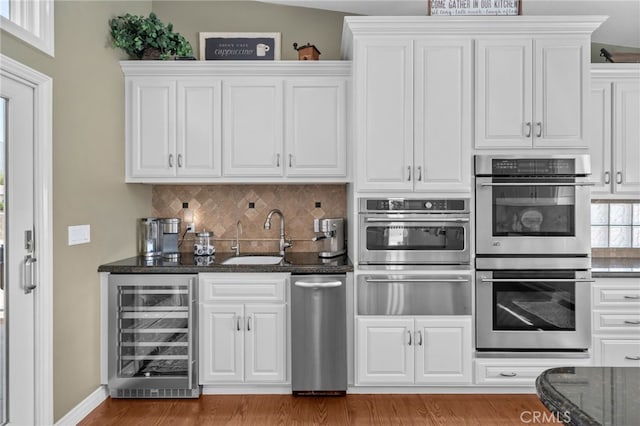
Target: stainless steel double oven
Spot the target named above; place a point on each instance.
(533, 253)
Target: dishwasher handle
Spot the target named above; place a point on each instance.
(328, 284)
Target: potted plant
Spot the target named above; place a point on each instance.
(147, 38)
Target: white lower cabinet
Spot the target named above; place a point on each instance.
(242, 342)
(413, 350)
(616, 322)
(519, 372)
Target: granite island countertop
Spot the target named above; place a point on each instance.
(592, 396)
(187, 263)
(615, 267)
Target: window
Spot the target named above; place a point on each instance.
(615, 225)
(29, 20)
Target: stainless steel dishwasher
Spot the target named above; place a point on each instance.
(319, 335)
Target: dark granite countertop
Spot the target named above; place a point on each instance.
(592, 396)
(615, 267)
(296, 263)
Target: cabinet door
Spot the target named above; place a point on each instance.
(599, 136)
(442, 115)
(561, 96)
(626, 138)
(504, 93)
(252, 128)
(384, 116)
(199, 128)
(151, 127)
(443, 350)
(384, 348)
(221, 343)
(265, 329)
(315, 135)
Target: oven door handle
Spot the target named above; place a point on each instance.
(417, 280)
(424, 219)
(530, 183)
(533, 280)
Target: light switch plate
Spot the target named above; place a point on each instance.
(79, 234)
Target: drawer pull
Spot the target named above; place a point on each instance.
(632, 358)
(508, 374)
(634, 297)
(636, 322)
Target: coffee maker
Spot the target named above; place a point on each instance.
(332, 230)
(169, 232)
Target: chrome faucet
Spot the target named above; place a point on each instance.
(236, 247)
(284, 244)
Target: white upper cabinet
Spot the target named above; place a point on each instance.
(413, 112)
(197, 122)
(614, 130)
(253, 128)
(315, 127)
(532, 92)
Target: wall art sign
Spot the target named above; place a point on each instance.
(240, 46)
(474, 7)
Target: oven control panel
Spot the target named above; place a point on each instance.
(414, 205)
(533, 166)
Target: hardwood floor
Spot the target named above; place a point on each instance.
(423, 409)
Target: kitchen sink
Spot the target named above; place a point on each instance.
(253, 260)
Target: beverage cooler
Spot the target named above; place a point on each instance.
(153, 336)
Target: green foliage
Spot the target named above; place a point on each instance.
(135, 33)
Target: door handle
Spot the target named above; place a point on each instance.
(533, 280)
(632, 322)
(170, 160)
(607, 178)
(238, 323)
(419, 333)
(409, 173)
(277, 160)
(417, 280)
(249, 323)
(29, 274)
(419, 173)
(508, 374)
(533, 183)
(618, 178)
(528, 126)
(632, 358)
(409, 334)
(179, 160)
(305, 284)
(416, 220)
(539, 126)
(290, 160)
(634, 297)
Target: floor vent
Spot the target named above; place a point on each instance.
(154, 393)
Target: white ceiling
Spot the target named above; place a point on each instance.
(622, 28)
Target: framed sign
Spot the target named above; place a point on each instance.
(474, 7)
(240, 46)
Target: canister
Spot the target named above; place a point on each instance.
(203, 245)
(149, 242)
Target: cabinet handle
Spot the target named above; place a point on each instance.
(249, 323)
(508, 374)
(179, 160)
(528, 126)
(539, 126)
(634, 297)
(238, 323)
(170, 160)
(632, 358)
(607, 178)
(409, 171)
(419, 332)
(419, 173)
(290, 160)
(409, 334)
(635, 322)
(277, 160)
(618, 178)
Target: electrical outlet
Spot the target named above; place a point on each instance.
(191, 227)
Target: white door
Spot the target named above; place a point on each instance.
(626, 135)
(443, 350)
(265, 329)
(561, 99)
(316, 128)
(384, 116)
(504, 93)
(599, 136)
(384, 349)
(221, 343)
(18, 220)
(442, 144)
(252, 128)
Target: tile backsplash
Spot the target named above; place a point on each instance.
(217, 208)
(615, 228)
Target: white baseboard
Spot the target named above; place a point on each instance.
(87, 405)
